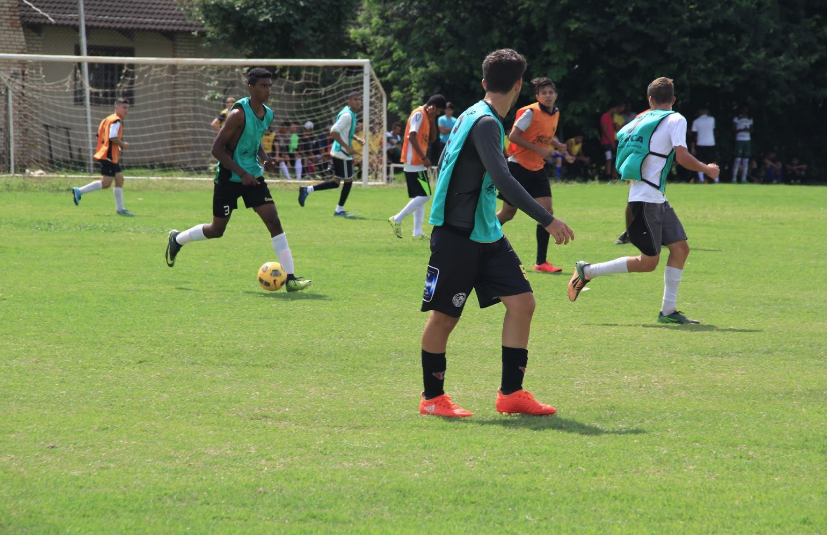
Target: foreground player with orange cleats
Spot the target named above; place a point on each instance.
(520, 402)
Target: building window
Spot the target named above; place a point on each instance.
(108, 81)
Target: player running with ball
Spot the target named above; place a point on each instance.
(239, 174)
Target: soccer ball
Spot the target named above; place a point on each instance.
(272, 276)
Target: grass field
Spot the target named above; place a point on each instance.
(141, 399)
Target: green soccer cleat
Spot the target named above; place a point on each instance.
(125, 213)
(297, 285)
(172, 247)
(397, 227)
(421, 237)
(76, 195)
(675, 317)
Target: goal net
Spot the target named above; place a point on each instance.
(50, 116)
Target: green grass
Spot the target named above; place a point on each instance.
(141, 399)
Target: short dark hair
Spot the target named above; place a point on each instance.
(354, 94)
(257, 73)
(121, 101)
(540, 83)
(662, 90)
(437, 101)
(449, 106)
(502, 69)
(397, 123)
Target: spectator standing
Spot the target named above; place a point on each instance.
(608, 141)
(444, 124)
(703, 140)
(219, 121)
(743, 143)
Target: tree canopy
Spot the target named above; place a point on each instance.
(767, 54)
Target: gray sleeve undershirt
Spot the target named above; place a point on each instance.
(485, 135)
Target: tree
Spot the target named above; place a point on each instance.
(770, 55)
(279, 28)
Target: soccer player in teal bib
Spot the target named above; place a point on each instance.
(239, 174)
(646, 148)
(468, 249)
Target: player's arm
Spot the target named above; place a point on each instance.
(416, 148)
(444, 129)
(234, 122)
(516, 137)
(485, 136)
(216, 124)
(690, 162)
(268, 163)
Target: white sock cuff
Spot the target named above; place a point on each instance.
(672, 274)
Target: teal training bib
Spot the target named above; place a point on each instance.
(633, 146)
(337, 147)
(487, 227)
(246, 150)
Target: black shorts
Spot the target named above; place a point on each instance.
(608, 151)
(706, 154)
(654, 225)
(418, 183)
(342, 169)
(536, 183)
(459, 264)
(108, 168)
(225, 196)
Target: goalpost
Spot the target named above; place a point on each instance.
(50, 115)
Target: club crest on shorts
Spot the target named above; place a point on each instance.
(459, 299)
(525, 275)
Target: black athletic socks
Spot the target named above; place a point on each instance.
(345, 192)
(328, 184)
(542, 244)
(514, 363)
(433, 374)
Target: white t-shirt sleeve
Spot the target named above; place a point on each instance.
(342, 126)
(677, 130)
(114, 128)
(525, 120)
(416, 122)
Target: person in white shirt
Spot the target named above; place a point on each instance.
(743, 143)
(703, 140)
(654, 222)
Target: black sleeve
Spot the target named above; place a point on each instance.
(485, 136)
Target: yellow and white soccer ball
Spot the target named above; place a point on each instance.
(272, 276)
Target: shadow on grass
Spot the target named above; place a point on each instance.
(687, 327)
(284, 296)
(704, 249)
(554, 423)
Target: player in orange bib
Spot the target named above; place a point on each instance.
(107, 154)
(532, 143)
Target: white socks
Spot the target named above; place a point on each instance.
(284, 169)
(671, 281)
(298, 168)
(419, 215)
(118, 198)
(283, 252)
(92, 186)
(701, 177)
(618, 265)
(196, 233)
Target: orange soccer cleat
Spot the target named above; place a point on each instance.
(442, 406)
(547, 267)
(522, 402)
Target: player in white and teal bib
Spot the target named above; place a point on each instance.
(647, 146)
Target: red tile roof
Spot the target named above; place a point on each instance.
(149, 15)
